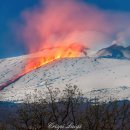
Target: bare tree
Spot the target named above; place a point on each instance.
(70, 106)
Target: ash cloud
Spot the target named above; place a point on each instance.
(57, 22)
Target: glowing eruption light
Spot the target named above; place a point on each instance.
(50, 54)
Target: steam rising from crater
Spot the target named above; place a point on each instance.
(58, 22)
(65, 27)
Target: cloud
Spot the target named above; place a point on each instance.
(57, 22)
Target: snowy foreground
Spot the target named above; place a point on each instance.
(103, 78)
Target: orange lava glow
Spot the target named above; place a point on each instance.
(48, 55)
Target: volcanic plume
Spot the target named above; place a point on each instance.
(63, 28)
(53, 29)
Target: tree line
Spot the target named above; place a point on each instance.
(68, 109)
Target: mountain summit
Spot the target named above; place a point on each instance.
(114, 51)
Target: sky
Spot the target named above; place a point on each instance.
(11, 10)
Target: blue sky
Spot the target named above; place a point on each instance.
(116, 5)
(10, 11)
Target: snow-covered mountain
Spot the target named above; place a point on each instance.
(114, 51)
(101, 77)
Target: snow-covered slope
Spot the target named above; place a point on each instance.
(94, 76)
(10, 67)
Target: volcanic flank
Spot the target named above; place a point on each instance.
(87, 73)
(36, 60)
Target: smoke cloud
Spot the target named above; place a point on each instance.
(123, 37)
(57, 22)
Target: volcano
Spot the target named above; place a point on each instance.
(92, 75)
(43, 57)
